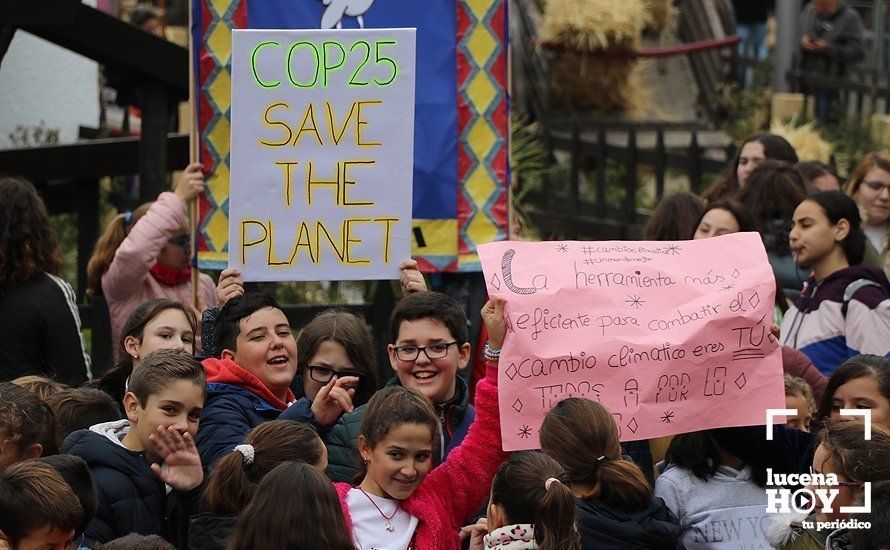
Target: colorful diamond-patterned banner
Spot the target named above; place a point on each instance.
(462, 115)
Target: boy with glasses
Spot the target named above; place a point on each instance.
(429, 346)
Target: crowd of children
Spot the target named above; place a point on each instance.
(246, 432)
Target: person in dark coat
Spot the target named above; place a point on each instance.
(615, 503)
(250, 383)
(235, 477)
(144, 485)
(831, 41)
(39, 320)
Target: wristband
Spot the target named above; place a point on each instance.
(490, 353)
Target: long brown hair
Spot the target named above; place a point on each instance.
(774, 148)
(583, 437)
(114, 380)
(353, 334)
(520, 488)
(296, 507)
(773, 190)
(234, 482)
(675, 218)
(107, 245)
(28, 247)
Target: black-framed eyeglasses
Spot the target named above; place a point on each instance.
(432, 351)
(325, 374)
(876, 186)
(184, 241)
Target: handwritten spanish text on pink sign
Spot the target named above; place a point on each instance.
(671, 337)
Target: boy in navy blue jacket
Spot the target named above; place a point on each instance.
(250, 382)
(146, 468)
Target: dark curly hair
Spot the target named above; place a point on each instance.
(28, 247)
(774, 189)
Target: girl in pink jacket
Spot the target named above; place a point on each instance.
(145, 254)
(397, 505)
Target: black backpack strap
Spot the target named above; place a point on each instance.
(852, 289)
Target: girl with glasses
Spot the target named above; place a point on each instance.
(336, 368)
(145, 254)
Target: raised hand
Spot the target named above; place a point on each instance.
(476, 532)
(493, 317)
(229, 285)
(191, 183)
(334, 399)
(411, 278)
(182, 463)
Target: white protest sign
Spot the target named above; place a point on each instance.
(322, 150)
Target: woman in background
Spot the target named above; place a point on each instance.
(39, 320)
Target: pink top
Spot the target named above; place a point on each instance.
(450, 494)
(128, 283)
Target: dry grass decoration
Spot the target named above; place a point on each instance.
(595, 80)
(662, 15)
(805, 139)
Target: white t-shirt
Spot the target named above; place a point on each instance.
(369, 526)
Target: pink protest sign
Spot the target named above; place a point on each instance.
(671, 337)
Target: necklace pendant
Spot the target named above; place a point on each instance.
(389, 526)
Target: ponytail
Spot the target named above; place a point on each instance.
(555, 519)
(229, 489)
(107, 245)
(235, 477)
(621, 484)
(530, 489)
(583, 437)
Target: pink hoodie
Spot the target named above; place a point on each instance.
(128, 283)
(449, 495)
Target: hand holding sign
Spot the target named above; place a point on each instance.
(670, 337)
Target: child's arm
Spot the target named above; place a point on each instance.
(139, 251)
(462, 482)
(667, 490)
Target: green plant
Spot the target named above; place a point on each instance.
(852, 139)
(528, 157)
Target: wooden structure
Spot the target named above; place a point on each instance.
(67, 176)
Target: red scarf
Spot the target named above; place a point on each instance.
(169, 276)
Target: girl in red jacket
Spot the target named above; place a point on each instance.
(397, 505)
